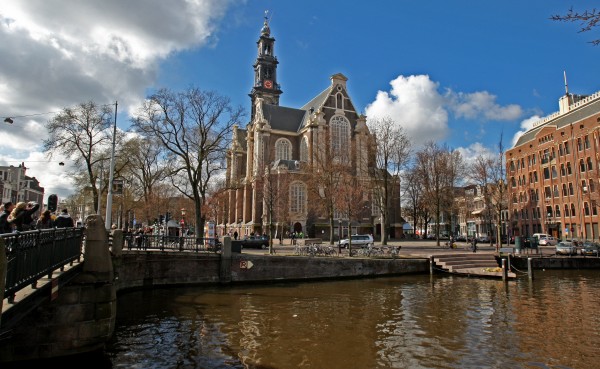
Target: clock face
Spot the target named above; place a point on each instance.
(268, 84)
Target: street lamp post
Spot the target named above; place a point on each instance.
(109, 197)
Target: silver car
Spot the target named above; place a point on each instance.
(566, 248)
(358, 240)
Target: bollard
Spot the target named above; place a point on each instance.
(431, 264)
(117, 243)
(529, 269)
(504, 271)
(508, 261)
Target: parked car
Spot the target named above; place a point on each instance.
(358, 240)
(590, 248)
(461, 238)
(256, 242)
(566, 248)
(548, 241)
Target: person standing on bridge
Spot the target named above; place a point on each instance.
(5, 226)
(64, 220)
(21, 216)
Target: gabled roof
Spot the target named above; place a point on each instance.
(319, 100)
(282, 118)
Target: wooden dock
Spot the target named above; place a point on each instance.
(470, 264)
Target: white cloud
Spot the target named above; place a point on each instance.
(416, 103)
(526, 125)
(470, 153)
(482, 104)
(59, 54)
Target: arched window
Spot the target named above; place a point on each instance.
(572, 210)
(513, 182)
(586, 208)
(340, 136)
(566, 210)
(564, 186)
(298, 198)
(283, 149)
(304, 149)
(339, 101)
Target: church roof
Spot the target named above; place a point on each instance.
(283, 118)
(319, 100)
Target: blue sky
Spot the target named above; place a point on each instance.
(458, 72)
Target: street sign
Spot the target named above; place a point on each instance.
(246, 264)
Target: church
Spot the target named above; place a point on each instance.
(271, 163)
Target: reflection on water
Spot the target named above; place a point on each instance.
(401, 322)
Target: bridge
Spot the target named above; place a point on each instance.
(59, 287)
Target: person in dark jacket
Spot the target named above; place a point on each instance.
(21, 216)
(64, 220)
(45, 221)
(5, 226)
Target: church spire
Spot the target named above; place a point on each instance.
(265, 69)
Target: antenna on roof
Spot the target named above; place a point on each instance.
(566, 85)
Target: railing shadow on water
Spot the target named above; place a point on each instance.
(149, 242)
(32, 255)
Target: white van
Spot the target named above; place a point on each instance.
(539, 236)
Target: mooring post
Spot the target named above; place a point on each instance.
(508, 261)
(504, 271)
(529, 269)
(431, 264)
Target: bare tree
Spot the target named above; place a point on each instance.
(439, 169)
(193, 126)
(325, 181)
(588, 19)
(392, 153)
(81, 133)
(350, 199)
(146, 169)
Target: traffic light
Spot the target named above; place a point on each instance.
(52, 202)
(168, 217)
(161, 218)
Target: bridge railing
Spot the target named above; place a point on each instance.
(34, 254)
(170, 243)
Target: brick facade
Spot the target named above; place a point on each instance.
(552, 173)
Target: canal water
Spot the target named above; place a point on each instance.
(416, 321)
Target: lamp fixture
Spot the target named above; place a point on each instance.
(8, 120)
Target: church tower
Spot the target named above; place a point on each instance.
(265, 70)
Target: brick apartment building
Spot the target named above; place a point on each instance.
(552, 172)
(16, 186)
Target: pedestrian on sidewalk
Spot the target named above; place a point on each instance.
(474, 244)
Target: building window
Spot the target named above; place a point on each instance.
(592, 188)
(579, 145)
(571, 189)
(581, 165)
(584, 186)
(589, 163)
(586, 208)
(339, 101)
(283, 149)
(566, 148)
(594, 207)
(572, 210)
(547, 193)
(340, 136)
(556, 193)
(569, 170)
(513, 182)
(557, 211)
(304, 149)
(546, 173)
(298, 198)
(587, 142)
(562, 170)
(533, 158)
(567, 210)
(554, 173)
(535, 177)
